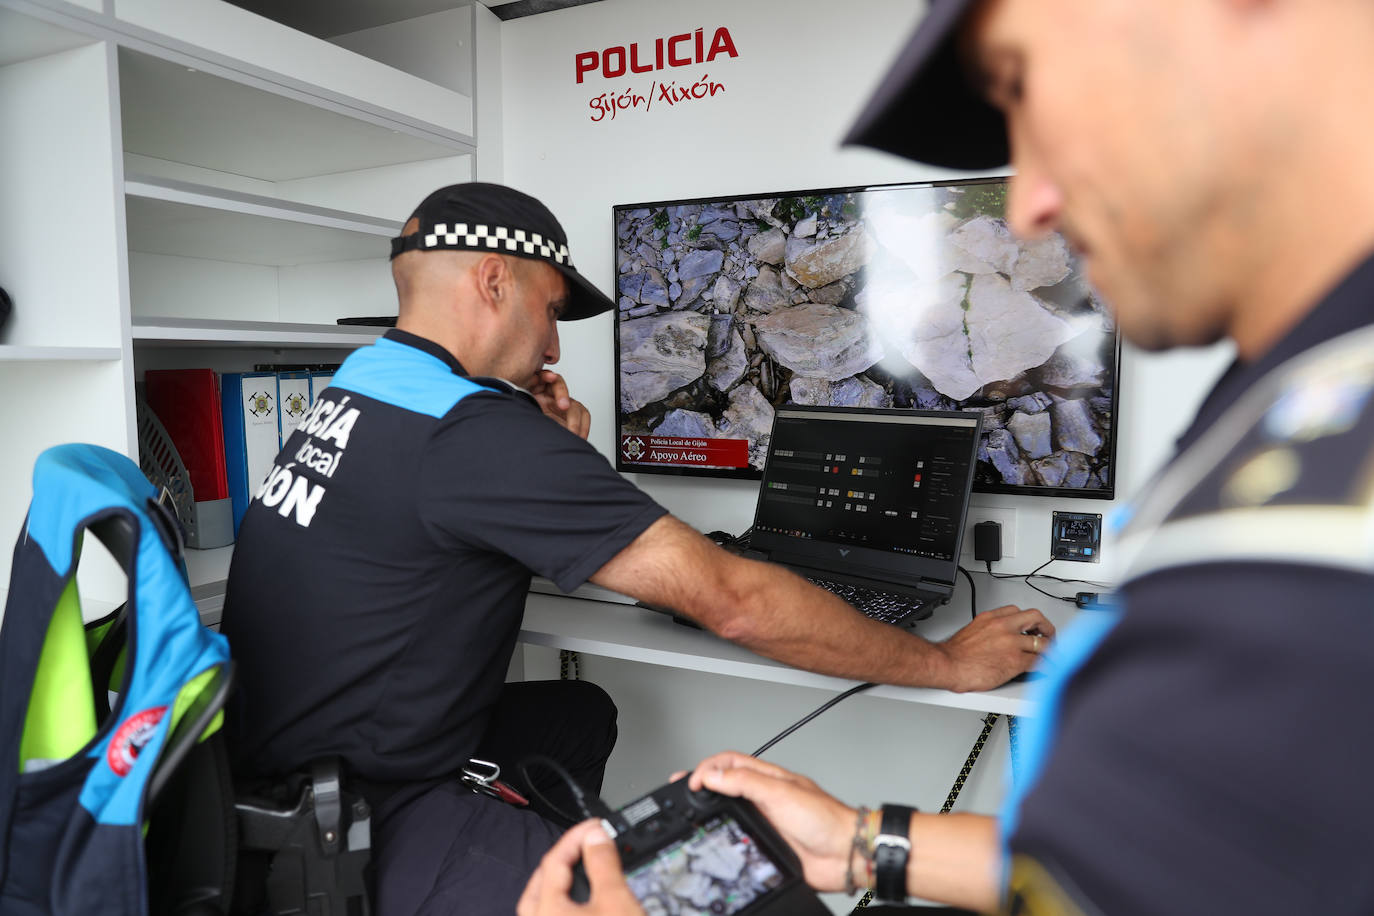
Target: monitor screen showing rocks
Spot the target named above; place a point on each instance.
(901, 296)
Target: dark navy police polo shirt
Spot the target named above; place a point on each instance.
(1212, 755)
(380, 575)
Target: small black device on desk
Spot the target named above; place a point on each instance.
(704, 852)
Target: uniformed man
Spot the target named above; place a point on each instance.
(1207, 749)
(440, 468)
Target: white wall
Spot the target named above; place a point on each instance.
(804, 67)
(437, 47)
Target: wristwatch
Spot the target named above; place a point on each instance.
(891, 852)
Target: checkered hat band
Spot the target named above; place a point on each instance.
(493, 238)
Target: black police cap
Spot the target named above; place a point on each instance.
(478, 216)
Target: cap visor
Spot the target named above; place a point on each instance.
(924, 108)
(584, 299)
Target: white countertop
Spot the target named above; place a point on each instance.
(615, 629)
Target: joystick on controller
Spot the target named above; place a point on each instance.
(702, 799)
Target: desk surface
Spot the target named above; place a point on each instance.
(632, 633)
(617, 630)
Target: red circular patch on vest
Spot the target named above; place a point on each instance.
(130, 738)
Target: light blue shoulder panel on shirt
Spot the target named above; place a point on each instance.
(404, 376)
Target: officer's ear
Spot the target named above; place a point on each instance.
(494, 280)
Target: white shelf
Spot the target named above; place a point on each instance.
(170, 190)
(178, 332)
(221, 228)
(206, 569)
(182, 219)
(17, 352)
(174, 112)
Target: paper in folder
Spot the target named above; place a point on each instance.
(294, 400)
(319, 381)
(251, 434)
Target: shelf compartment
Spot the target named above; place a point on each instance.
(178, 332)
(260, 115)
(170, 190)
(180, 219)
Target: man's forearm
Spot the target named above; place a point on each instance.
(768, 609)
(782, 616)
(955, 859)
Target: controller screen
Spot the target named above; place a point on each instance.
(717, 871)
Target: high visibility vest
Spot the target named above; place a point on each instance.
(72, 788)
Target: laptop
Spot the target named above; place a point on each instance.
(869, 503)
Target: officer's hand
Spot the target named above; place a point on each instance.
(818, 827)
(551, 391)
(998, 645)
(546, 894)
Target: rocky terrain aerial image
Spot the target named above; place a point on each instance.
(905, 297)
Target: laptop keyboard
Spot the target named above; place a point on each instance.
(888, 607)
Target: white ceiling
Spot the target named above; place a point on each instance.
(327, 18)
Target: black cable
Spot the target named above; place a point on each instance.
(1027, 577)
(972, 591)
(593, 808)
(1038, 574)
(1016, 575)
(811, 715)
(1102, 585)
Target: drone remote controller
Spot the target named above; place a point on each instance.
(701, 852)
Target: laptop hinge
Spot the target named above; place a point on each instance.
(942, 589)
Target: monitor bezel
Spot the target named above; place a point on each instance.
(1106, 492)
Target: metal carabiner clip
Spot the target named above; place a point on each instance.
(484, 778)
(478, 775)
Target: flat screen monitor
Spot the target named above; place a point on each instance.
(913, 296)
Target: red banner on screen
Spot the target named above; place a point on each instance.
(683, 452)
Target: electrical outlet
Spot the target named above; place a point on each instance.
(1005, 517)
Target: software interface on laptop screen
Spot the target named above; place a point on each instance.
(894, 481)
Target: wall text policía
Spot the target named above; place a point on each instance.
(681, 50)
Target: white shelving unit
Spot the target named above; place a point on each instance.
(13, 353)
(191, 332)
(189, 184)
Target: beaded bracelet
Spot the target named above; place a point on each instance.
(858, 846)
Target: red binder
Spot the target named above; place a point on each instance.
(187, 403)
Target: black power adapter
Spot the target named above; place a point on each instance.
(987, 541)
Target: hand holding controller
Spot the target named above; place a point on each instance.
(701, 851)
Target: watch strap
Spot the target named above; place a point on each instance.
(891, 852)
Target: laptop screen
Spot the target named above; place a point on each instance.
(877, 492)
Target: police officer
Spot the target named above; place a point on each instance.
(1206, 749)
(440, 468)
